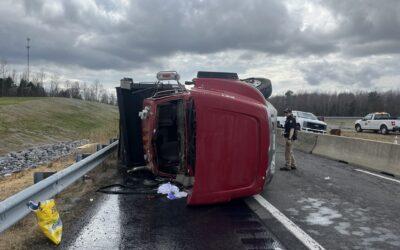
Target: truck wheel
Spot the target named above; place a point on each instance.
(384, 130)
(358, 128)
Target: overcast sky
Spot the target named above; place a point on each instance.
(298, 44)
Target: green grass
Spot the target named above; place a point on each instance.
(26, 122)
(15, 100)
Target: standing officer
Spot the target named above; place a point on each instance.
(290, 136)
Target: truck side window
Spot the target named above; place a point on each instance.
(368, 117)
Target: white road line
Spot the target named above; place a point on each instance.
(289, 225)
(377, 175)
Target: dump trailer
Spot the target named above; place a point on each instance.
(215, 135)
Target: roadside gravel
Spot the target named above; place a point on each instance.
(31, 158)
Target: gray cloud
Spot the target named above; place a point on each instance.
(344, 73)
(124, 36)
(366, 27)
(98, 36)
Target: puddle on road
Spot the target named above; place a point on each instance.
(351, 222)
(103, 230)
(319, 214)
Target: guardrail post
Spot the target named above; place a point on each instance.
(38, 176)
(78, 157)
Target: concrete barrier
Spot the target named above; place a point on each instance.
(378, 156)
(305, 141)
(374, 155)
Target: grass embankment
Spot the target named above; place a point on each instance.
(26, 122)
(30, 121)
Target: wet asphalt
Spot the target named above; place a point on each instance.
(149, 222)
(337, 206)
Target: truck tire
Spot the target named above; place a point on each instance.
(384, 130)
(358, 128)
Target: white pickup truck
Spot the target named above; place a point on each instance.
(382, 122)
(305, 121)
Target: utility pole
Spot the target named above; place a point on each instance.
(28, 47)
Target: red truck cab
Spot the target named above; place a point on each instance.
(214, 138)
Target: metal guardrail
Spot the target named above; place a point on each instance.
(14, 208)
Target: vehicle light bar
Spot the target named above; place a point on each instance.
(168, 75)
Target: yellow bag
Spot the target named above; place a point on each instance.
(49, 220)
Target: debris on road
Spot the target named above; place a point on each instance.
(48, 219)
(327, 178)
(171, 191)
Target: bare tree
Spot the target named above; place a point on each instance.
(96, 87)
(75, 91)
(3, 68)
(3, 72)
(113, 99)
(42, 76)
(14, 76)
(54, 84)
(104, 96)
(87, 92)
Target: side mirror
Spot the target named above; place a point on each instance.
(262, 84)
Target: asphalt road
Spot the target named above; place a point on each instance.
(339, 207)
(336, 205)
(148, 222)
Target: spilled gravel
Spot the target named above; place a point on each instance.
(33, 157)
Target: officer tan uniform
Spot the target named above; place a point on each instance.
(290, 136)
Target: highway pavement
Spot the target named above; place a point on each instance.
(340, 206)
(331, 204)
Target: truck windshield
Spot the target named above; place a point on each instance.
(307, 115)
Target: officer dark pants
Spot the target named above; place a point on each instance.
(289, 157)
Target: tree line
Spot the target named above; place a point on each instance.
(13, 84)
(340, 103)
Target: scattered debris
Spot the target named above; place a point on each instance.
(171, 191)
(48, 219)
(327, 178)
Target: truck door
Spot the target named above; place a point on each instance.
(367, 122)
(232, 142)
(376, 121)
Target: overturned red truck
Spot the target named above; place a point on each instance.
(216, 138)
